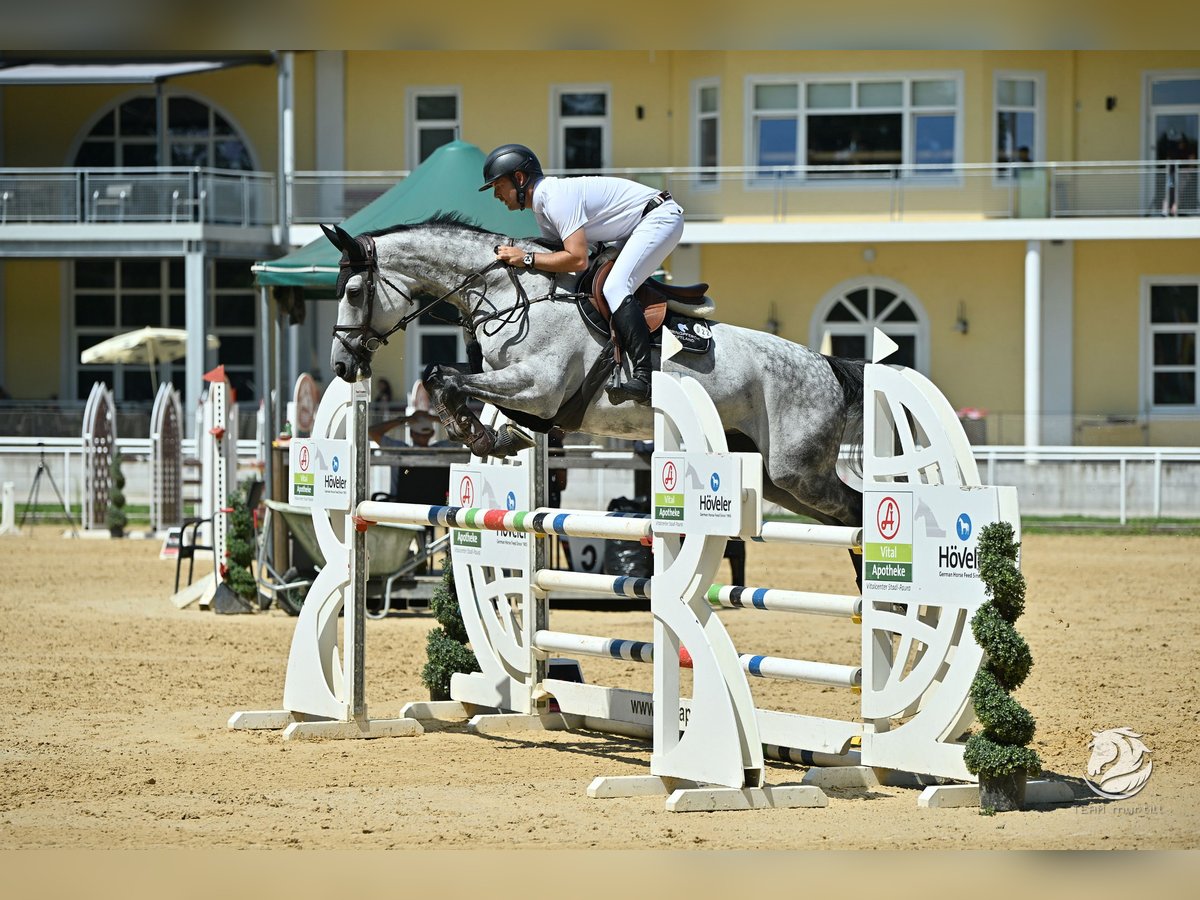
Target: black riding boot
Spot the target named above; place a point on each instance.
(630, 325)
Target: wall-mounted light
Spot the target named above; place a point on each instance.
(868, 254)
(772, 326)
(961, 325)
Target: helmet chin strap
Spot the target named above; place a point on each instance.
(521, 188)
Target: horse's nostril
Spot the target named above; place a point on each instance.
(340, 369)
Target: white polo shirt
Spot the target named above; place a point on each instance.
(608, 209)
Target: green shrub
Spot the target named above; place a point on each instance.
(239, 544)
(115, 517)
(446, 647)
(1000, 749)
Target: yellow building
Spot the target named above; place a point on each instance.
(1024, 224)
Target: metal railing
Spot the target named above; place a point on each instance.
(878, 192)
(174, 195)
(726, 193)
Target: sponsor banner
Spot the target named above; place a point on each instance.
(697, 493)
(922, 540)
(319, 473)
(491, 487)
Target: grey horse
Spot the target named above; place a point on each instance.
(794, 406)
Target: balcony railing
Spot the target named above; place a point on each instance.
(728, 193)
(86, 196)
(877, 192)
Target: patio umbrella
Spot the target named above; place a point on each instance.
(146, 346)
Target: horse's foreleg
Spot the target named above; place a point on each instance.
(449, 394)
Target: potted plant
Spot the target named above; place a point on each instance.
(999, 754)
(446, 647)
(115, 517)
(238, 585)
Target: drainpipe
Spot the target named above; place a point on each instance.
(287, 148)
(1033, 344)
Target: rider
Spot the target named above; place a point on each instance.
(576, 211)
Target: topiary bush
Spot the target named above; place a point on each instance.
(115, 517)
(999, 749)
(446, 647)
(239, 544)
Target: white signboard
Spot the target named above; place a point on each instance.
(490, 487)
(922, 540)
(697, 493)
(319, 473)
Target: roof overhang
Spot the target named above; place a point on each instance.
(118, 71)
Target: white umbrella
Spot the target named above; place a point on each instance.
(146, 346)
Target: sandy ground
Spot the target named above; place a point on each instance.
(114, 709)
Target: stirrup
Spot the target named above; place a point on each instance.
(629, 390)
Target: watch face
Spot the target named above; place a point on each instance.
(528, 259)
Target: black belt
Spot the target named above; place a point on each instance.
(655, 202)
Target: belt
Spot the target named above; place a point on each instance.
(655, 202)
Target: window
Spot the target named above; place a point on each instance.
(706, 127)
(433, 120)
(851, 311)
(196, 135)
(1172, 316)
(434, 340)
(856, 121)
(112, 296)
(1018, 119)
(582, 127)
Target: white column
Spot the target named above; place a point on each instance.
(287, 141)
(1033, 343)
(196, 321)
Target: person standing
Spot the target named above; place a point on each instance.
(647, 224)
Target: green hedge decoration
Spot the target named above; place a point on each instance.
(446, 647)
(115, 517)
(1007, 727)
(239, 544)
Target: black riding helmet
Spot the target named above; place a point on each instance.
(507, 159)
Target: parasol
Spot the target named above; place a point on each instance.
(146, 346)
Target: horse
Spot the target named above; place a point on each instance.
(534, 355)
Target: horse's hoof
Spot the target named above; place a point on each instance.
(628, 391)
(511, 439)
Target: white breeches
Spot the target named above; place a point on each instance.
(642, 254)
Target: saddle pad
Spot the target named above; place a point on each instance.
(694, 334)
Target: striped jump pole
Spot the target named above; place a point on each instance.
(725, 596)
(828, 674)
(594, 525)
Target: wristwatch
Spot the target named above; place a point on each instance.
(528, 260)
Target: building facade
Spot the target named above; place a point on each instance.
(1024, 224)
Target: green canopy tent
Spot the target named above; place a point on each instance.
(446, 182)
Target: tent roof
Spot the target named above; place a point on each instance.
(446, 182)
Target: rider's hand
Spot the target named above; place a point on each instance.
(511, 256)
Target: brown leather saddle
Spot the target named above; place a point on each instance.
(682, 308)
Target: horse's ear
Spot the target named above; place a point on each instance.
(334, 235)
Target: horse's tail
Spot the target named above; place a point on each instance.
(849, 373)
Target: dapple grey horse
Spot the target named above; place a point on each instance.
(791, 404)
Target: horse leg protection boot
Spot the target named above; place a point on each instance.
(630, 325)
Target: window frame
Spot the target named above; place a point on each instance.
(908, 110)
(559, 123)
(1146, 366)
(920, 329)
(699, 85)
(414, 126)
(1039, 118)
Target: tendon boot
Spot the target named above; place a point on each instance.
(630, 325)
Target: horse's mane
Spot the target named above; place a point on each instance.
(456, 220)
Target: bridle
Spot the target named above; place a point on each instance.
(362, 340)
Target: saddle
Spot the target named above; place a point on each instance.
(680, 308)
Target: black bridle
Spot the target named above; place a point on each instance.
(368, 338)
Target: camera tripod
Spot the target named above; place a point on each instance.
(31, 503)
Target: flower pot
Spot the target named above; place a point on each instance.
(117, 531)
(437, 692)
(1003, 793)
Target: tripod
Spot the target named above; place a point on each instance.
(33, 493)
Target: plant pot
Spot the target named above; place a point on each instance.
(117, 531)
(1003, 793)
(437, 693)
